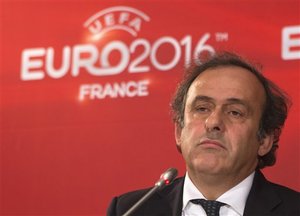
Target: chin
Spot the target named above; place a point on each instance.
(206, 165)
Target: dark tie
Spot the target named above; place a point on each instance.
(211, 207)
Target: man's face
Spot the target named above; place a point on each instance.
(221, 120)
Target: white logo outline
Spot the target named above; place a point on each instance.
(101, 13)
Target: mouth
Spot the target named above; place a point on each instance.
(211, 144)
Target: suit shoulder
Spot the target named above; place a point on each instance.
(286, 192)
(120, 204)
(134, 196)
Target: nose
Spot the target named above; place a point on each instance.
(214, 122)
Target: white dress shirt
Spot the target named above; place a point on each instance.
(235, 198)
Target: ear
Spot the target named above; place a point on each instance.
(265, 145)
(178, 131)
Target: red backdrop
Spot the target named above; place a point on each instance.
(86, 86)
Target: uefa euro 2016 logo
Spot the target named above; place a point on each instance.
(116, 18)
(39, 63)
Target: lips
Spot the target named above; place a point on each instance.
(211, 144)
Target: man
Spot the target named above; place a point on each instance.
(228, 119)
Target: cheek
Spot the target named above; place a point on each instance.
(190, 136)
(186, 139)
(193, 130)
(244, 140)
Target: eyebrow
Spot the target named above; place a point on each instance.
(228, 100)
(237, 101)
(201, 98)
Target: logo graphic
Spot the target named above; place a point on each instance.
(290, 43)
(116, 18)
(116, 55)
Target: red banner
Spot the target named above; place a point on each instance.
(86, 88)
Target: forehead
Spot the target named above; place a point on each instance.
(225, 82)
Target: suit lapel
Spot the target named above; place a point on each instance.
(262, 198)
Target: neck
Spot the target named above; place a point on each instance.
(213, 186)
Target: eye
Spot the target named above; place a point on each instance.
(202, 109)
(235, 113)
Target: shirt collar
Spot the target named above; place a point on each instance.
(235, 197)
(190, 191)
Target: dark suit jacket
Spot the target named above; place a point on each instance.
(265, 198)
